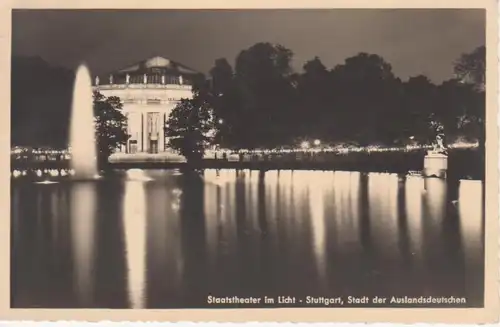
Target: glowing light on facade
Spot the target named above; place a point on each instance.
(150, 90)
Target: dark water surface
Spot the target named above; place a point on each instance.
(164, 239)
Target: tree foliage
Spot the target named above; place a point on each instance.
(264, 93)
(189, 127)
(110, 125)
(265, 104)
(471, 68)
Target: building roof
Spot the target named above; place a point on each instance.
(154, 68)
(155, 63)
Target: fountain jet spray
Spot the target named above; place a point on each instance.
(82, 131)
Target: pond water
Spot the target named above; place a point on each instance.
(167, 239)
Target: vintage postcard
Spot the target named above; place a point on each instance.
(250, 161)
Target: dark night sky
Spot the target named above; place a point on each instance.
(413, 41)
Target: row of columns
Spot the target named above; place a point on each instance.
(152, 129)
(145, 79)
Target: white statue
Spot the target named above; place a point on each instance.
(162, 79)
(127, 78)
(439, 147)
(181, 81)
(97, 80)
(110, 79)
(145, 78)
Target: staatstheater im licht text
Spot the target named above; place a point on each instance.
(334, 301)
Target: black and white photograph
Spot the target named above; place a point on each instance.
(248, 158)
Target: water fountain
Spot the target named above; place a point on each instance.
(82, 132)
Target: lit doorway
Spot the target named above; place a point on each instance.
(153, 146)
(132, 146)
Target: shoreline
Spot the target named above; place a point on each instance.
(461, 164)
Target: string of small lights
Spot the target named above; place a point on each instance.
(344, 149)
(302, 149)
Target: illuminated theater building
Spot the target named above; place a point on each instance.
(149, 90)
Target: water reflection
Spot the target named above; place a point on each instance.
(345, 206)
(316, 203)
(472, 227)
(414, 188)
(165, 263)
(134, 220)
(471, 217)
(220, 223)
(436, 199)
(382, 197)
(83, 224)
(166, 239)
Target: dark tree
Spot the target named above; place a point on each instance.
(459, 108)
(418, 100)
(189, 128)
(110, 125)
(225, 102)
(222, 77)
(366, 100)
(471, 68)
(262, 76)
(314, 91)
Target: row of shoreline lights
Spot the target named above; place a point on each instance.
(40, 172)
(304, 147)
(19, 150)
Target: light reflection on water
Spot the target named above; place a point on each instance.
(134, 222)
(414, 201)
(174, 238)
(83, 225)
(471, 227)
(317, 212)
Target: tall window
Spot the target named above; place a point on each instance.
(153, 118)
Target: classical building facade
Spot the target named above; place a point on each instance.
(149, 91)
